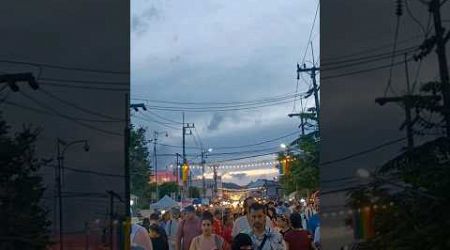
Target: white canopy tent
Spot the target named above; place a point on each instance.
(165, 203)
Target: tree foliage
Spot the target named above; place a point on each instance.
(304, 175)
(24, 220)
(139, 166)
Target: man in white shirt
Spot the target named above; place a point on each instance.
(263, 238)
(242, 223)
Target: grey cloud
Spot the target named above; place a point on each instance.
(239, 176)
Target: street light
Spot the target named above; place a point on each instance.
(60, 176)
(283, 146)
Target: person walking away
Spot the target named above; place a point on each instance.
(189, 228)
(298, 238)
(208, 240)
(140, 240)
(242, 242)
(171, 227)
(242, 223)
(263, 237)
(158, 236)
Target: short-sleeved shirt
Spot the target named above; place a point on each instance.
(274, 240)
(298, 239)
(241, 225)
(187, 230)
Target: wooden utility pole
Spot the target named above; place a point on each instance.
(312, 71)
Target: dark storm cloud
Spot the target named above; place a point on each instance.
(217, 52)
(215, 122)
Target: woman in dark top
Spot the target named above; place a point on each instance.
(297, 238)
(283, 224)
(159, 238)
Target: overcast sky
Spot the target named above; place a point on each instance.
(221, 51)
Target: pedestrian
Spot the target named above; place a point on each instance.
(158, 236)
(146, 223)
(217, 223)
(242, 223)
(297, 238)
(283, 224)
(140, 239)
(228, 220)
(171, 227)
(208, 240)
(263, 237)
(189, 228)
(154, 219)
(242, 242)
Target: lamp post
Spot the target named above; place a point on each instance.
(60, 177)
(204, 155)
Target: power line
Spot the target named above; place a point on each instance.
(363, 152)
(45, 112)
(84, 81)
(68, 117)
(310, 32)
(367, 59)
(364, 70)
(397, 28)
(85, 87)
(242, 158)
(153, 121)
(260, 143)
(163, 118)
(76, 106)
(65, 67)
(229, 104)
(178, 109)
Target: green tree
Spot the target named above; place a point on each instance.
(304, 176)
(194, 192)
(168, 188)
(24, 220)
(140, 167)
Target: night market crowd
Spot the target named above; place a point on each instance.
(256, 225)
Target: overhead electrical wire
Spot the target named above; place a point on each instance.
(228, 104)
(60, 85)
(70, 68)
(59, 114)
(76, 106)
(364, 152)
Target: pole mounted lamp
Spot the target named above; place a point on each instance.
(62, 147)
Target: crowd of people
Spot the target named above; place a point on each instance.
(257, 226)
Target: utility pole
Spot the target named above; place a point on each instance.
(155, 141)
(215, 180)
(58, 181)
(186, 126)
(59, 177)
(408, 101)
(315, 89)
(177, 174)
(203, 153)
(435, 9)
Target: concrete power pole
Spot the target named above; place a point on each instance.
(315, 88)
